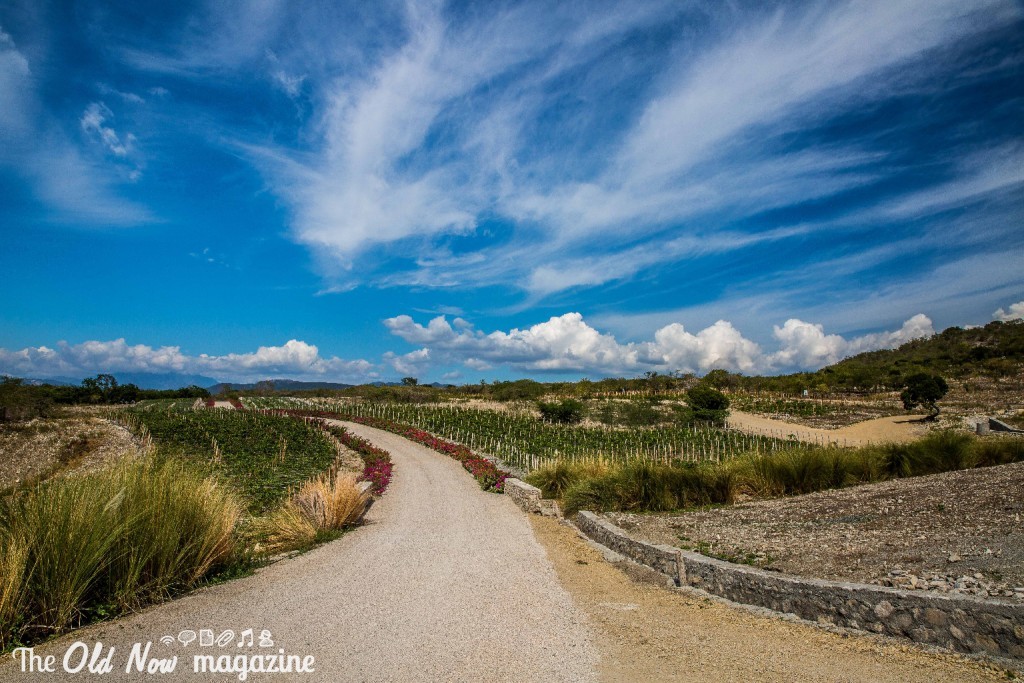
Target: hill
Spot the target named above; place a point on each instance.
(995, 350)
(274, 385)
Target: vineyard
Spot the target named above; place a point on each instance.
(264, 456)
(524, 442)
(177, 404)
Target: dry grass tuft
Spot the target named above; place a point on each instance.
(330, 502)
(285, 529)
(13, 558)
(116, 538)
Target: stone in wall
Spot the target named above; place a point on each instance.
(957, 622)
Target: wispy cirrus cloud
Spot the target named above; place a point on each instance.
(457, 127)
(35, 146)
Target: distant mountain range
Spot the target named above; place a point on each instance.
(143, 380)
(275, 385)
(170, 380)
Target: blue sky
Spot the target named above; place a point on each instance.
(466, 191)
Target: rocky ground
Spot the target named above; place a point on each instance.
(40, 448)
(958, 532)
(647, 633)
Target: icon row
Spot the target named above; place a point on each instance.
(206, 638)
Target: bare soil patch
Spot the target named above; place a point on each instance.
(893, 429)
(44, 447)
(958, 532)
(648, 633)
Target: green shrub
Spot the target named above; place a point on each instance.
(989, 452)
(866, 465)
(566, 411)
(898, 459)
(644, 486)
(708, 404)
(599, 494)
(943, 451)
(799, 470)
(555, 478)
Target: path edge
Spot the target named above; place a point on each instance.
(963, 624)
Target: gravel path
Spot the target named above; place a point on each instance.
(444, 582)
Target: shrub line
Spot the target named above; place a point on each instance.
(487, 474)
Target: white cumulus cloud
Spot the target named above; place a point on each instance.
(1015, 312)
(567, 343)
(294, 359)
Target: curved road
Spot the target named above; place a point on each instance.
(444, 582)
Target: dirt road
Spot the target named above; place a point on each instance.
(898, 429)
(445, 582)
(651, 634)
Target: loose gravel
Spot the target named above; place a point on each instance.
(43, 448)
(957, 532)
(443, 583)
(652, 634)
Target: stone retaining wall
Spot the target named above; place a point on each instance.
(525, 496)
(961, 623)
(529, 498)
(661, 558)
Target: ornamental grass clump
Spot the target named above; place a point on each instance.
(109, 541)
(644, 486)
(326, 504)
(555, 478)
(797, 470)
(181, 526)
(13, 558)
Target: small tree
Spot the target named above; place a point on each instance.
(922, 389)
(409, 381)
(708, 404)
(566, 411)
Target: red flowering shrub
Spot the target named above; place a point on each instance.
(486, 472)
(377, 465)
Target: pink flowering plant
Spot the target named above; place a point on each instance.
(377, 465)
(487, 474)
(484, 471)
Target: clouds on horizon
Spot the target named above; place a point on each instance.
(567, 343)
(294, 359)
(564, 344)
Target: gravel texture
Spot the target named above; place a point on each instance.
(957, 532)
(444, 582)
(651, 634)
(44, 447)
